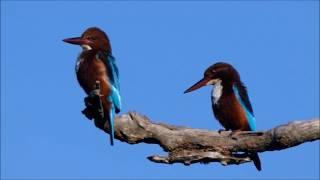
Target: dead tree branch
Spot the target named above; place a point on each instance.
(188, 146)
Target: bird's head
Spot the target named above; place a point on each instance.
(92, 39)
(218, 72)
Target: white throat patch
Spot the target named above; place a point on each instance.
(86, 47)
(216, 92)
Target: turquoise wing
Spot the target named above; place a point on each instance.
(114, 78)
(250, 117)
(113, 71)
(113, 74)
(114, 97)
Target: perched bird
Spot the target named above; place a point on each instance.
(230, 101)
(96, 63)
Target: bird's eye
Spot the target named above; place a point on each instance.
(90, 38)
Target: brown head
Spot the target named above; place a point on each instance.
(218, 72)
(92, 39)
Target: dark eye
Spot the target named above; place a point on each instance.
(91, 38)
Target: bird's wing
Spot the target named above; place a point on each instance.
(115, 98)
(113, 74)
(245, 98)
(242, 97)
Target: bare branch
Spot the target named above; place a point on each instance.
(188, 146)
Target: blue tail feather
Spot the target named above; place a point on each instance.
(111, 125)
(114, 97)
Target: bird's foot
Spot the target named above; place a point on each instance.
(222, 130)
(94, 109)
(90, 110)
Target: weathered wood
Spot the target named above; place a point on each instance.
(188, 146)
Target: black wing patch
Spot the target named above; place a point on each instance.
(244, 97)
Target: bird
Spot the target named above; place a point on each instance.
(230, 101)
(97, 63)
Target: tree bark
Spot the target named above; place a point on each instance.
(188, 146)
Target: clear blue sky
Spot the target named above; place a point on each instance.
(161, 49)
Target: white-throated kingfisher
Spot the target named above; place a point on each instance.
(230, 101)
(96, 63)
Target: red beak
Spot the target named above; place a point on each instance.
(198, 85)
(77, 41)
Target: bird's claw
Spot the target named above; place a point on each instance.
(94, 109)
(221, 130)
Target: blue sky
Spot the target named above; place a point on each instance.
(161, 48)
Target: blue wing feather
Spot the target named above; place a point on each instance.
(113, 75)
(114, 72)
(250, 117)
(114, 96)
(114, 78)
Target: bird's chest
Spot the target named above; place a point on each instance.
(89, 70)
(227, 109)
(89, 61)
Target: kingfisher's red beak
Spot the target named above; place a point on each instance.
(199, 84)
(77, 41)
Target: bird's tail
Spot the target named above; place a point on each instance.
(108, 118)
(256, 160)
(111, 125)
